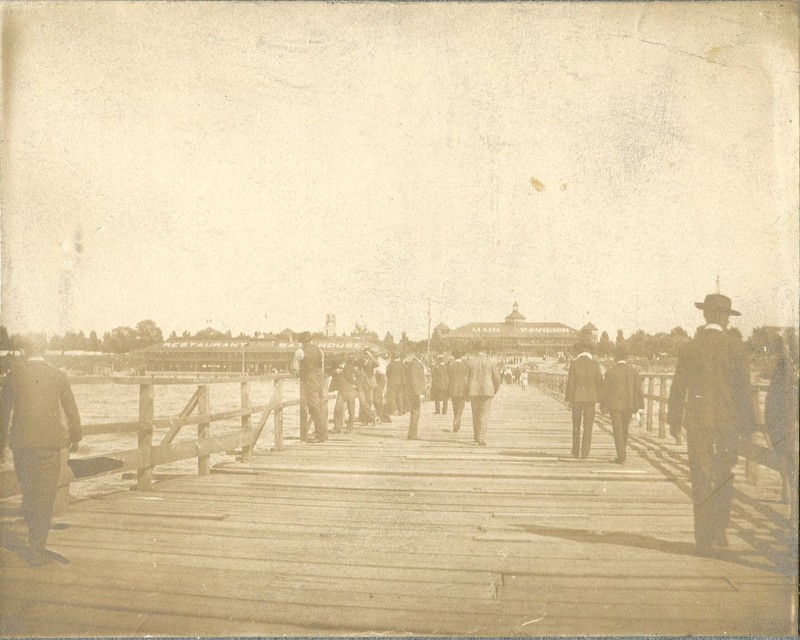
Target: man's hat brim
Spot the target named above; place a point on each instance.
(730, 312)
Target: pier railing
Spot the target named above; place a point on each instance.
(151, 453)
(655, 387)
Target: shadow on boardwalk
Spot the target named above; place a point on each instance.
(372, 534)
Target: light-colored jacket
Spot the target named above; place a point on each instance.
(483, 377)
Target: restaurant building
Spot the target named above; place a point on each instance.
(515, 338)
(238, 355)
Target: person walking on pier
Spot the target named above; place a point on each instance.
(439, 386)
(483, 382)
(344, 383)
(308, 364)
(622, 397)
(32, 400)
(394, 385)
(583, 391)
(414, 385)
(710, 398)
(457, 387)
(379, 398)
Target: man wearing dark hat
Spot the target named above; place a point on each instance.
(308, 363)
(710, 398)
(584, 390)
(32, 400)
(622, 396)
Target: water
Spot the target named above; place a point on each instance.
(103, 403)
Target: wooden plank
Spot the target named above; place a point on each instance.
(144, 476)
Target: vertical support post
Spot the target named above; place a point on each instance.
(203, 430)
(650, 394)
(247, 447)
(144, 475)
(278, 415)
(662, 406)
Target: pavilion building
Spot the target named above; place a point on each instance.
(515, 338)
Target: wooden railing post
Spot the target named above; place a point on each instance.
(662, 406)
(278, 415)
(247, 447)
(650, 394)
(144, 475)
(203, 430)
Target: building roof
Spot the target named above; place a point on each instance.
(515, 315)
(442, 328)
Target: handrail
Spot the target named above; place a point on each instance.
(656, 385)
(197, 411)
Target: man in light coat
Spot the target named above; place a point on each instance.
(33, 398)
(483, 382)
(622, 397)
(584, 390)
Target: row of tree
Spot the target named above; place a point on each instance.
(766, 341)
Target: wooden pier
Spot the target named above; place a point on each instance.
(372, 534)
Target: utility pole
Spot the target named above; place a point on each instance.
(717, 284)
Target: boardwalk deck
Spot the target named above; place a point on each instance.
(370, 533)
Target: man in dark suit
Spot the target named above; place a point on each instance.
(414, 386)
(483, 382)
(439, 386)
(308, 364)
(394, 385)
(457, 387)
(710, 398)
(32, 400)
(622, 396)
(344, 383)
(584, 390)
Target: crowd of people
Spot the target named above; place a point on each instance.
(709, 399)
(385, 384)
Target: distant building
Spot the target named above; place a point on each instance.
(516, 338)
(237, 355)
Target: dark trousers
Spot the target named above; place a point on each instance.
(38, 471)
(440, 402)
(481, 406)
(395, 400)
(311, 398)
(344, 399)
(582, 411)
(712, 456)
(414, 405)
(458, 410)
(619, 424)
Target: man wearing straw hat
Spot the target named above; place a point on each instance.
(710, 398)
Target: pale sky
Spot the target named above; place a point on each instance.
(253, 166)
